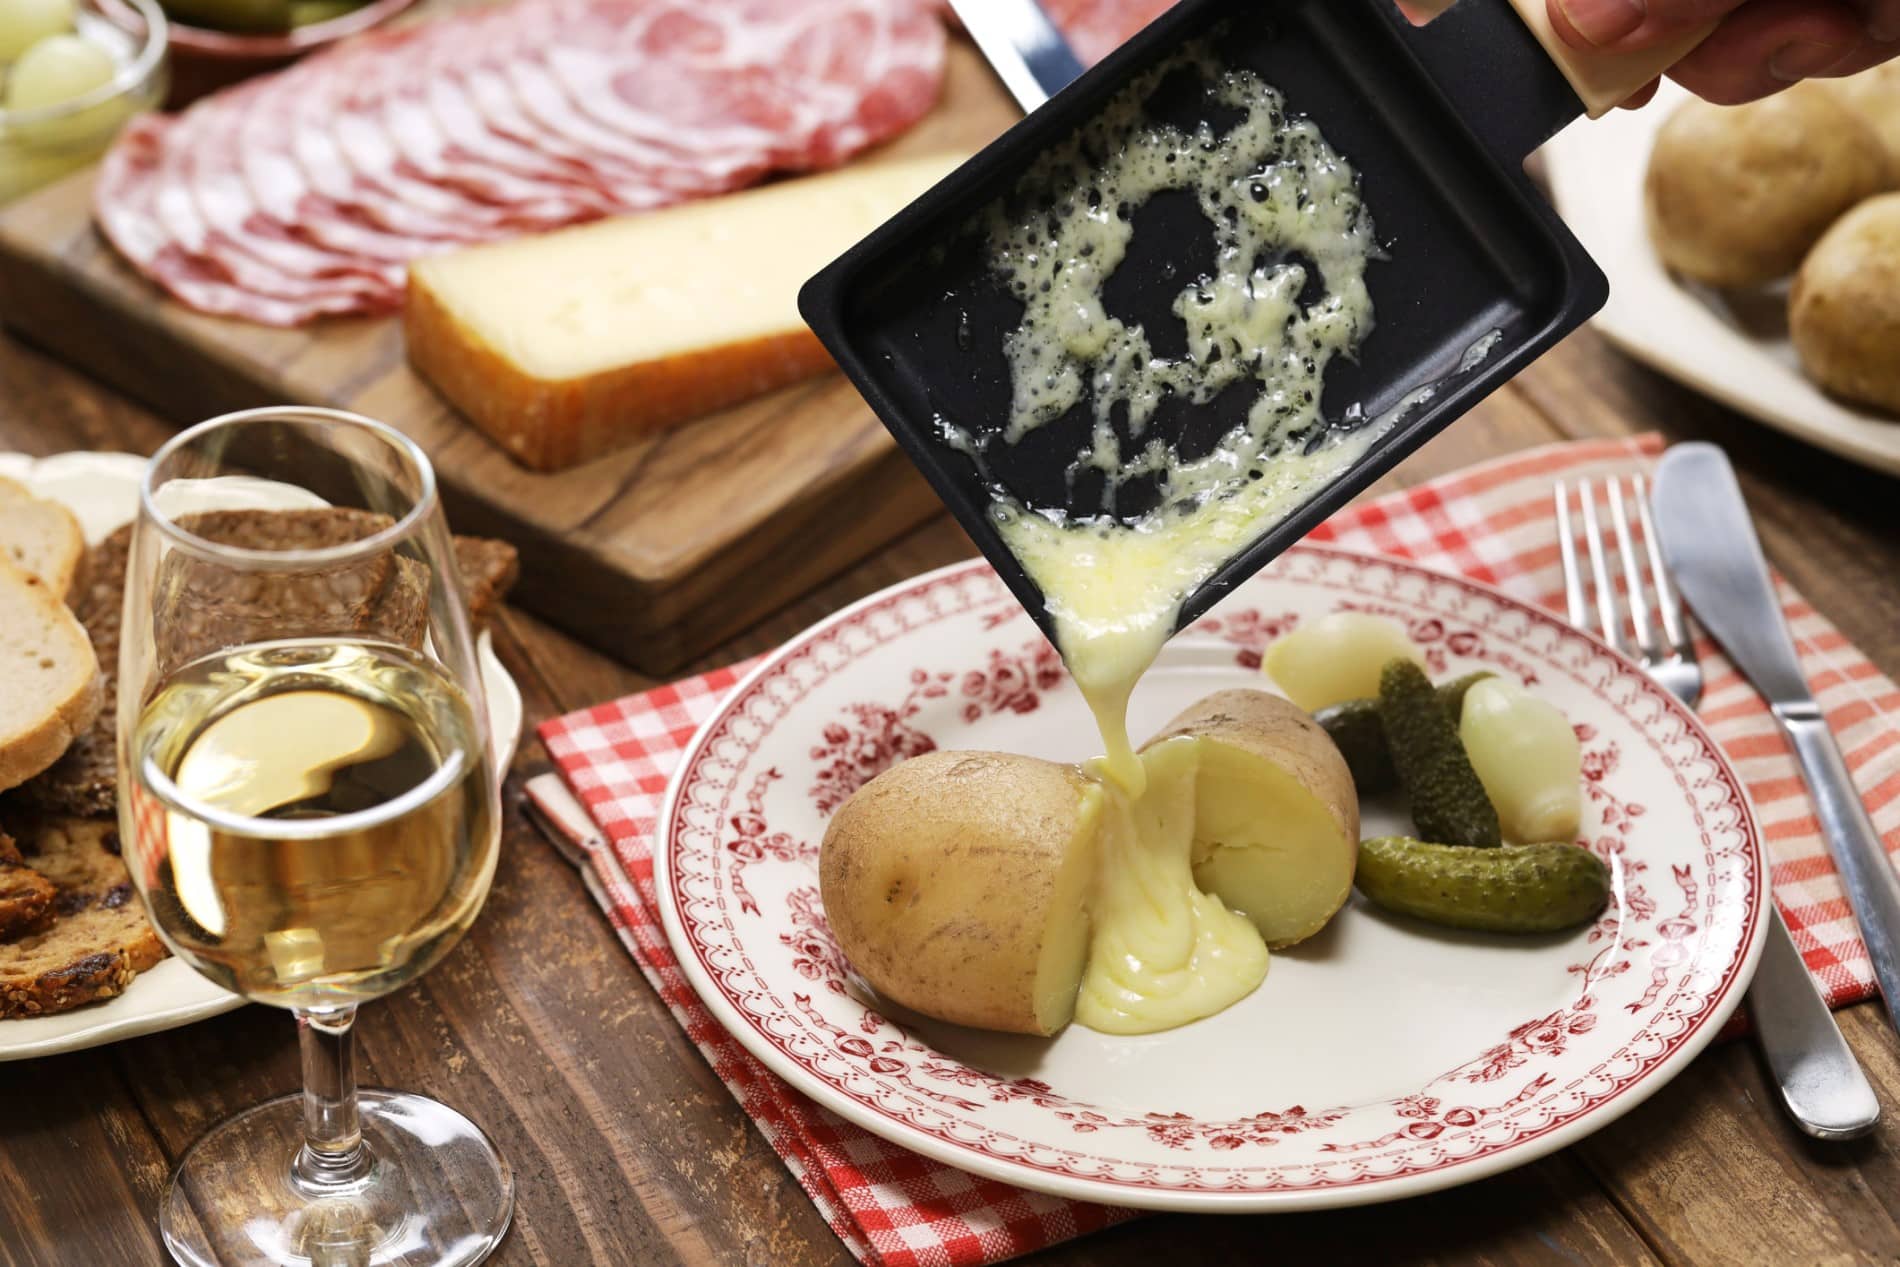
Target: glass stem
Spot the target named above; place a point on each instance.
(332, 1155)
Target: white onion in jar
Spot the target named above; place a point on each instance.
(58, 68)
(24, 23)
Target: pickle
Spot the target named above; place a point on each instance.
(1452, 694)
(1448, 801)
(1360, 737)
(1514, 889)
(244, 16)
(311, 12)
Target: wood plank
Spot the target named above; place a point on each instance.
(53, 1114)
(654, 553)
(1711, 1170)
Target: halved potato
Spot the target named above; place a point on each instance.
(1276, 830)
(956, 884)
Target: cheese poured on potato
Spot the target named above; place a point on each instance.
(1010, 893)
(1221, 837)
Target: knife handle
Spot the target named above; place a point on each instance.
(1604, 80)
(1821, 1083)
(1873, 890)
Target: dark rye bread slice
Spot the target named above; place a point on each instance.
(84, 782)
(26, 896)
(99, 940)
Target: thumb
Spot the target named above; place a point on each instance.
(1630, 24)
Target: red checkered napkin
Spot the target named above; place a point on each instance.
(891, 1207)
(1492, 522)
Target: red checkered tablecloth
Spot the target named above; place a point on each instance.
(1492, 522)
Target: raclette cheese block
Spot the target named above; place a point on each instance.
(564, 346)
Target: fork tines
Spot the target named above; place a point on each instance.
(1638, 583)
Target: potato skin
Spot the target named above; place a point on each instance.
(1874, 95)
(1844, 310)
(1735, 195)
(1279, 732)
(942, 878)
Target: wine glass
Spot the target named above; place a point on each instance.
(311, 816)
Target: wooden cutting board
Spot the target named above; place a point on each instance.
(652, 554)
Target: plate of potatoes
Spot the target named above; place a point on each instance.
(880, 868)
(1754, 251)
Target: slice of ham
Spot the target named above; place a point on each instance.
(306, 193)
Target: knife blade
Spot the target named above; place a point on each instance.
(1022, 46)
(1709, 542)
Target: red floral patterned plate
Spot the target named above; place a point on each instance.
(1383, 1058)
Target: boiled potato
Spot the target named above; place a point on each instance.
(1735, 195)
(1336, 658)
(1528, 759)
(1844, 311)
(1874, 95)
(1276, 829)
(956, 884)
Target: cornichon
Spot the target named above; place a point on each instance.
(1360, 737)
(244, 16)
(1448, 801)
(1515, 889)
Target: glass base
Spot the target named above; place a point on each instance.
(435, 1192)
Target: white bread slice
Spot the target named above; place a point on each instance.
(42, 537)
(51, 677)
(564, 346)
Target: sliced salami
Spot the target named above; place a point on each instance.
(124, 206)
(307, 193)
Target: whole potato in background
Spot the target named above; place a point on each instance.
(1735, 195)
(1874, 95)
(1844, 311)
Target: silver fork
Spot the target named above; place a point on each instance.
(1822, 1085)
(1670, 659)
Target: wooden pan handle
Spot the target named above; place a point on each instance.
(1604, 80)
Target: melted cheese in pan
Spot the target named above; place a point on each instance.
(1281, 201)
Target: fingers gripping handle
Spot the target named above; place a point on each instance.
(1604, 80)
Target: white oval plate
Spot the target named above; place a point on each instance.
(1735, 351)
(102, 490)
(1381, 1059)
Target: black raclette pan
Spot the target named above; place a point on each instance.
(1437, 119)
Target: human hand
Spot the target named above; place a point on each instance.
(1759, 46)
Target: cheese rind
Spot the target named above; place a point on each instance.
(564, 346)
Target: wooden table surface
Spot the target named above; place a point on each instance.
(629, 1151)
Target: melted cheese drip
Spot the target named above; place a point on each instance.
(1161, 952)
(1279, 198)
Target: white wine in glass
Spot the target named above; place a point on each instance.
(311, 815)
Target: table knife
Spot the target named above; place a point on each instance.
(1022, 46)
(1709, 541)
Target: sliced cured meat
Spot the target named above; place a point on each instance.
(440, 135)
(274, 144)
(363, 129)
(1097, 28)
(308, 192)
(123, 207)
(207, 152)
(746, 87)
